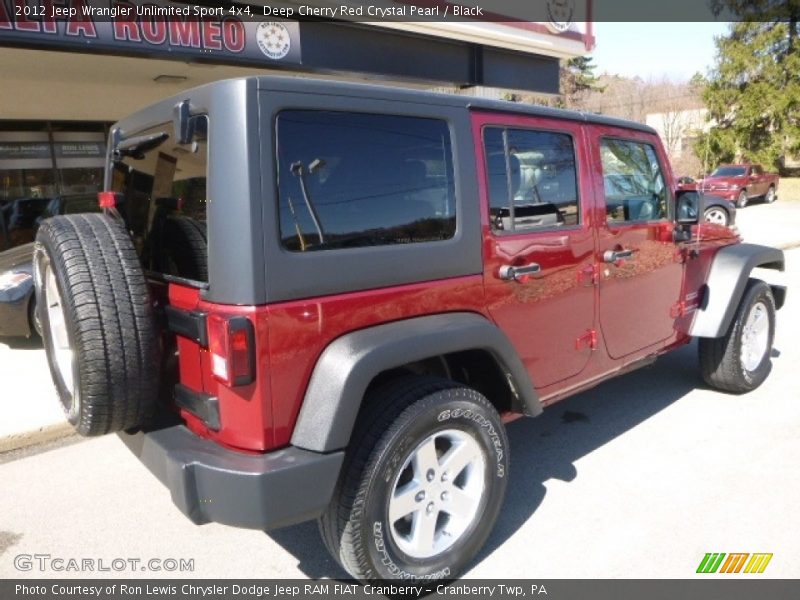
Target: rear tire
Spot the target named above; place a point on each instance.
(398, 511)
(740, 361)
(770, 196)
(98, 326)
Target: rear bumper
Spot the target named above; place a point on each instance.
(209, 483)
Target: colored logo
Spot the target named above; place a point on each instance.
(273, 39)
(719, 562)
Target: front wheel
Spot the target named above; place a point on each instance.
(716, 215)
(741, 201)
(422, 485)
(740, 361)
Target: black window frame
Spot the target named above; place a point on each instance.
(485, 164)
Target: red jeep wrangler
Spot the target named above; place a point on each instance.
(317, 300)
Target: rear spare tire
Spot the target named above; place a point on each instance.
(98, 326)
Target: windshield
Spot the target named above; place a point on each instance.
(729, 172)
(163, 187)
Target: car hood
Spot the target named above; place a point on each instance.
(21, 256)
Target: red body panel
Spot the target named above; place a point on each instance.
(544, 315)
(637, 295)
(300, 331)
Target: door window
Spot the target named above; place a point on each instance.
(532, 179)
(633, 182)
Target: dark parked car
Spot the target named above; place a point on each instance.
(18, 220)
(717, 209)
(17, 301)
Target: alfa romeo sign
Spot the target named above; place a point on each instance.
(158, 27)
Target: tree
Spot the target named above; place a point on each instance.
(753, 93)
(576, 80)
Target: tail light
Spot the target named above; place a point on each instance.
(231, 342)
(107, 199)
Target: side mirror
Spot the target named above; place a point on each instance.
(688, 207)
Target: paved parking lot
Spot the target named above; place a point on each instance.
(774, 224)
(31, 411)
(639, 477)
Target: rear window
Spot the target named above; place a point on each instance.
(348, 180)
(163, 188)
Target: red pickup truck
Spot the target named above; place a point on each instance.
(741, 183)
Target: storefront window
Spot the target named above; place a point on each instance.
(42, 166)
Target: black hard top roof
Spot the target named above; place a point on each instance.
(385, 92)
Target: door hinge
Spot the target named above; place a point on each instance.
(589, 339)
(589, 275)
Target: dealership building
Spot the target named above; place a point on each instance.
(69, 74)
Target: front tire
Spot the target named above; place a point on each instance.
(741, 201)
(717, 215)
(422, 484)
(740, 361)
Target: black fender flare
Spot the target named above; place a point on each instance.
(727, 278)
(348, 364)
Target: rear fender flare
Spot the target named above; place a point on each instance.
(348, 365)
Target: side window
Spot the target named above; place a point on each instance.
(756, 170)
(348, 180)
(532, 179)
(633, 182)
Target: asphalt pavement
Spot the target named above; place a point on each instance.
(639, 477)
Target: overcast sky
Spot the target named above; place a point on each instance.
(656, 50)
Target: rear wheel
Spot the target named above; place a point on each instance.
(740, 361)
(422, 484)
(771, 196)
(97, 322)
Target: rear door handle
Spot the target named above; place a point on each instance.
(509, 273)
(612, 256)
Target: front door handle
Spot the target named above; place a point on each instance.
(509, 273)
(612, 256)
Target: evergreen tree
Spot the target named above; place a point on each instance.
(753, 93)
(577, 79)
